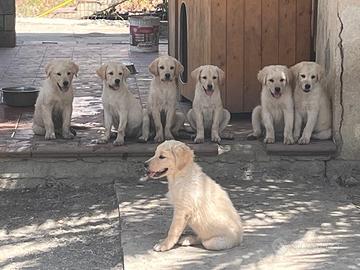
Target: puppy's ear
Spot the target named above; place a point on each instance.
(221, 75)
(48, 69)
(179, 68)
(262, 76)
(196, 73)
(126, 71)
(183, 156)
(153, 67)
(74, 68)
(101, 72)
(289, 76)
(295, 70)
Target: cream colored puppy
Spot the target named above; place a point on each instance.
(121, 109)
(53, 108)
(198, 201)
(162, 100)
(312, 104)
(208, 114)
(276, 112)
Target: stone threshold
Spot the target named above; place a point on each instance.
(315, 148)
(93, 150)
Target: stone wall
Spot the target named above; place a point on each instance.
(338, 50)
(7, 23)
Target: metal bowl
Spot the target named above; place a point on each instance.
(22, 96)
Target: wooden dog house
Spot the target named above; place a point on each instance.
(240, 36)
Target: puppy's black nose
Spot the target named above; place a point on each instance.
(277, 89)
(210, 86)
(307, 86)
(167, 75)
(117, 81)
(65, 83)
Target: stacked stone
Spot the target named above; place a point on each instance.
(7, 23)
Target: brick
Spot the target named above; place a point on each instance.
(7, 39)
(7, 7)
(9, 21)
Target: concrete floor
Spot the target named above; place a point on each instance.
(295, 214)
(291, 222)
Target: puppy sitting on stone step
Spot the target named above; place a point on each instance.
(53, 108)
(121, 109)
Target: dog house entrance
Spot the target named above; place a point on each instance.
(183, 57)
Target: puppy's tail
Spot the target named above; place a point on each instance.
(256, 123)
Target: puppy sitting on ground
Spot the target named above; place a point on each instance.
(208, 115)
(198, 201)
(121, 109)
(276, 112)
(312, 104)
(53, 108)
(161, 106)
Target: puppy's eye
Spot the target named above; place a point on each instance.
(281, 80)
(162, 67)
(271, 80)
(111, 73)
(313, 77)
(204, 77)
(214, 78)
(302, 76)
(68, 73)
(172, 68)
(59, 74)
(161, 157)
(120, 73)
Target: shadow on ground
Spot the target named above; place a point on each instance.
(290, 223)
(60, 227)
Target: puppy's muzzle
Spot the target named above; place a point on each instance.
(307, 88)
(167, 77)
(209, 90)
(64, 87)
(276, 93)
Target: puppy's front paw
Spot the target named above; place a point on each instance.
(288, 140)
(142, 139)
(50, 136)
(215, 138)
(169, 136)
(199, 139)
(304, 140)
(252, 137)
(68, 135)
(269, 140)
(163, 246)
(119, 142)
(159, 138)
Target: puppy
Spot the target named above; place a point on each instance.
(121, 109)
(276, 112)
(53, 108)
(312, 105)
(161, 105)
(198, 201)
(208, 114)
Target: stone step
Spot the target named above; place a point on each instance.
(315, 148)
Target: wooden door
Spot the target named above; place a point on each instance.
(261, 33)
